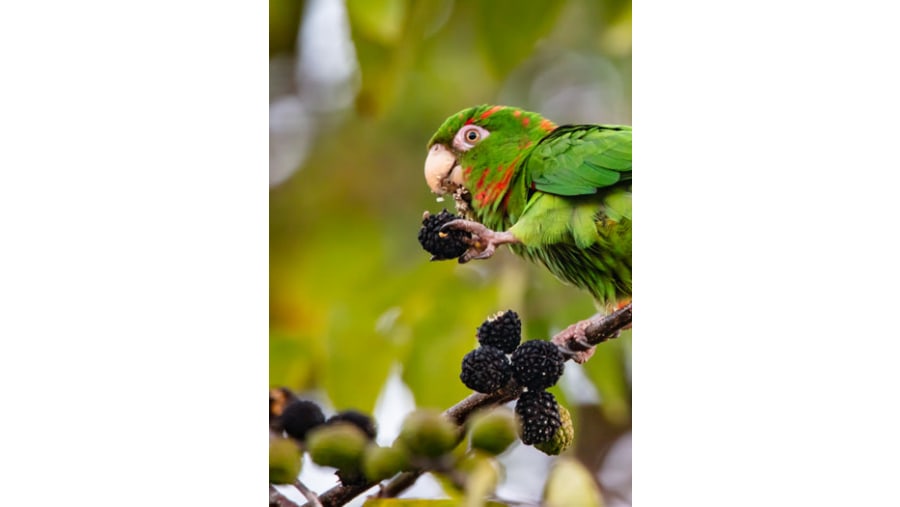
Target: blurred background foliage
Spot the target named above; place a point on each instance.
(356, 90)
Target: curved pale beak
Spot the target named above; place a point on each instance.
(442, 173)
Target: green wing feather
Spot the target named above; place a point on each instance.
(580, 159)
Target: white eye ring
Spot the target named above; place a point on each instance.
(468, 136)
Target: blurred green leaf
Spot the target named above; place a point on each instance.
(607, 370)
(388, 37)
(378, 20)
(509, 29)
(354, 346)
(284, 22)
(293, 360)
(569, 484)
(447, 310)
(481, 480)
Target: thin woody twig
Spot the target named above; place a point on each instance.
(308, 494)
(577, 342)
(276, 499)
(602, 329)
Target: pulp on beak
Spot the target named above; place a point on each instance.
(442, 173)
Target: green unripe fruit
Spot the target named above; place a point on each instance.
(493, 431)
(562, 439)
(284, 461)
(428, 433)
(380, 463)
(337, 445)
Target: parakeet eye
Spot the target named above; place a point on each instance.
(468, 136)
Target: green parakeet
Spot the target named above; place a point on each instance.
(558, 195)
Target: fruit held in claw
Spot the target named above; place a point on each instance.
(440, 244)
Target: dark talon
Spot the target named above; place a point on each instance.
(583, 345)
(567, 352)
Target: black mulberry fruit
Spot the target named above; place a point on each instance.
(358, 419)
(539, 414)
(537, 364)
(301, 416)
(442, 245)
(485, 369)
(502, 330)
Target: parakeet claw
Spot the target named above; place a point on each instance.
(483, 243)
(573, 342)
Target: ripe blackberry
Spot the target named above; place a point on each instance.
(485, 369)
(539, 415)
(358, 419)
(301, 416)
(537, 364)
(502, 330)
(442, 245)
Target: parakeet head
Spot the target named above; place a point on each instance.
(475, 140)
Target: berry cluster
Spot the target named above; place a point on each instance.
(338, 441)
(536, 365)
(346, 440)
(440, 244)
(487, 368)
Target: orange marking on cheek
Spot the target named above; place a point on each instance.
(525, 121)
(494, 191)
(548, 125)
(517, 113)
(480, 182)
